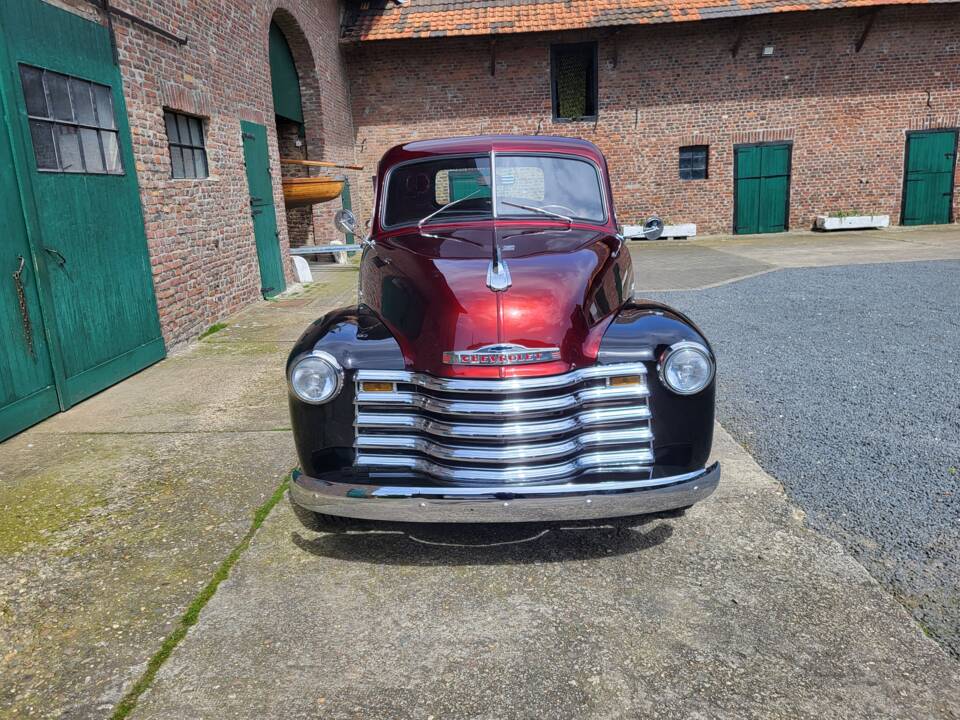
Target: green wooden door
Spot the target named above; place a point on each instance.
(928, 182)
(256, 156)
(762, 188)
(78, 189)
(27, 387)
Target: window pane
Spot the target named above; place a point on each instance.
(189, 169)
(91, 151)
(184, 129)
(43, 147)
(68, 142)
(693, 162)
(574, 81)
(104, 101)
(59, 96)
(176, 162)
(82, 102)
(200, 157)
(196, 134)
(32, 80)
(418, 189)
(566, 186)
(111, 151)
(171, 122)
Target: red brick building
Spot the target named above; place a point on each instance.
(841, 88)
(737, 116)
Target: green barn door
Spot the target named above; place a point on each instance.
(79, 188)
(256, 157)
(27, 390)
(761, 188)
(928, 184)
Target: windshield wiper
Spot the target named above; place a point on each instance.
(449, 205)
(534, 208)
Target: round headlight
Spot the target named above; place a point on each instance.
(686, 368)
(316, 378)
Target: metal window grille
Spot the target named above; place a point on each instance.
(188, 154)
(574, 69)
(72, 123)
(694, 160)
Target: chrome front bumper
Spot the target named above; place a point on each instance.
(533, 503)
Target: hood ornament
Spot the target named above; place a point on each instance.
(501, 354)
(498, 274)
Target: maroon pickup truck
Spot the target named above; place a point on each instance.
(498, 366)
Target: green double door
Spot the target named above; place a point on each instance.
(928, 181)
(256, 157)
(77, 305)
(762, 188)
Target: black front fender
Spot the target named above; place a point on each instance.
(682, 424)
(354, 335)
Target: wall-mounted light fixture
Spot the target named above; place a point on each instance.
(767, 51)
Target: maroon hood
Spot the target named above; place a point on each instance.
(431, 291)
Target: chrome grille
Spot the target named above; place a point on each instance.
(511, 431)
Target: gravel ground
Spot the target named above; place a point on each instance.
(844, 383)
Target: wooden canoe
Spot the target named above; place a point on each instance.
(300, 192)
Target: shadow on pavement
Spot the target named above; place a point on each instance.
(432, 545)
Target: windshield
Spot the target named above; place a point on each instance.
(419, 189)
(561, 186)
(528, 186)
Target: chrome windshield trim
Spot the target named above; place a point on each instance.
(515, 430)
(507, 385)
(505, 407)
(633, 460)
(509, 453)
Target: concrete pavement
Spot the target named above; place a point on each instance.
(715, 260)
(114, 515)
(736, 610)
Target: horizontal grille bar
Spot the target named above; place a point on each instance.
(512, 430)
(508, 454)
(505, 406)
(504, 386)
(627, 461)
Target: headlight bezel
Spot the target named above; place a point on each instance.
(330, 361)
(672, 351)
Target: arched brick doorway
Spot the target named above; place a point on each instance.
(299, 121)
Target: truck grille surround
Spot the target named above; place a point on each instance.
(514, 431)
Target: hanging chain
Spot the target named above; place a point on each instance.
(24, 312)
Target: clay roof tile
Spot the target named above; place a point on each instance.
(386, 20)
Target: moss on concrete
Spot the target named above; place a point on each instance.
(192, 614)
(215, 328)
(36, 508)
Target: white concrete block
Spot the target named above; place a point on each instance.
(301, 269)
(852, 222)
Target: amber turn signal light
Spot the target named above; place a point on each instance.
(626, 380)
(376, 386)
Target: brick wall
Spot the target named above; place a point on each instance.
(662, 87)
(200, 232)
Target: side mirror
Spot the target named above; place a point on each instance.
(652, 228)
(346, 222)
